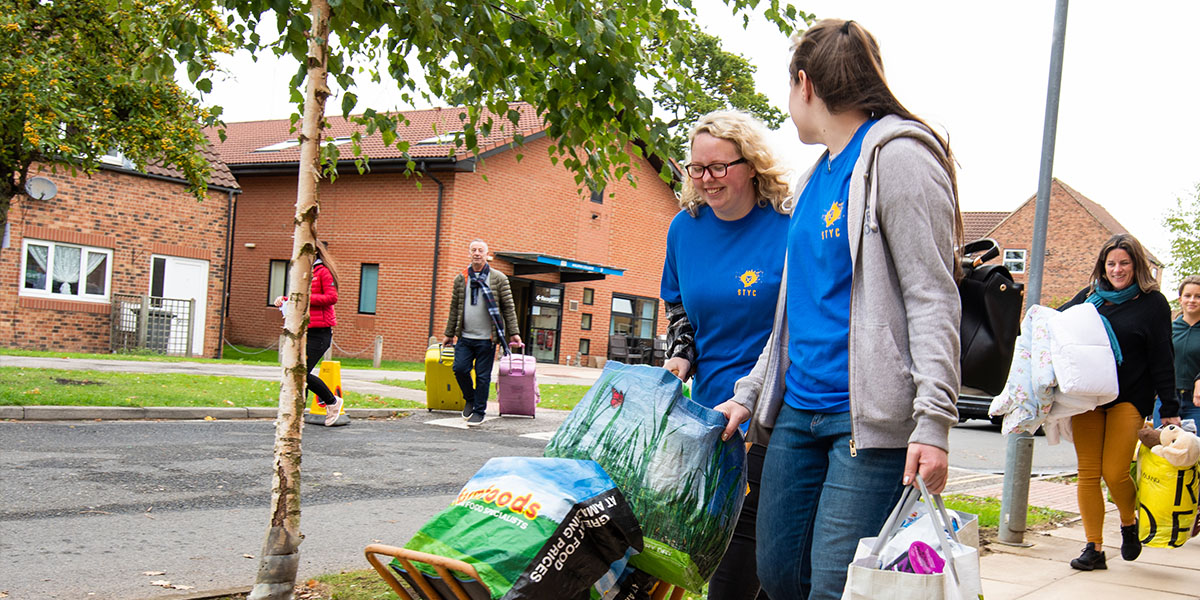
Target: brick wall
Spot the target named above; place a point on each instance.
(135, 217)
(378, 219)
(526, 205)
(1073, 240)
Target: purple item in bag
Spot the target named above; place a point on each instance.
(921, 559)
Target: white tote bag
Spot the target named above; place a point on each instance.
(865, 580)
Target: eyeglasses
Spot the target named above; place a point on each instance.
(717, 170)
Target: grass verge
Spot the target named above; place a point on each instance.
(988, 509)
(58, 387)
(365, 585)
(554, 395)
(232, 354)
(350, 585)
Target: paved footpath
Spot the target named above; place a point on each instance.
(1039, 571)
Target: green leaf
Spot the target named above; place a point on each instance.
(349, 101)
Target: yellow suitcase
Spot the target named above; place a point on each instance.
(441, 388)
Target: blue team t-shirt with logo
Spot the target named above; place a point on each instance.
(727, 275)
(818, 294)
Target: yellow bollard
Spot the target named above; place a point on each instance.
(331, 374)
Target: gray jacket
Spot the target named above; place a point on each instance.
(904, 304)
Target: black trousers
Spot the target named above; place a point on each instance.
(479, 355)
(319, 339)
(736, 577)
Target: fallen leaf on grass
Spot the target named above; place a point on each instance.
(229, 402)
(33, 391)
(153, 573)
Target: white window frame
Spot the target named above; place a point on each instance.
(117, 158)
(271, 281)
(1018, 257)
(82, 294)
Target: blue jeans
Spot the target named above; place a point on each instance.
(1187, 410)
(816, 501)
(479, 355)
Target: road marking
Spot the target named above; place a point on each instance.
(453, 422)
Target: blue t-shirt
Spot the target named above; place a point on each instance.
(727, 275)
(818, 298)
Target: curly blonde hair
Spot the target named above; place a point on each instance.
(771, 180)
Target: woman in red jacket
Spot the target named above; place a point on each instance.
(321, 319)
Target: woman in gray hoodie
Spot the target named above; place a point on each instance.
(857, 383)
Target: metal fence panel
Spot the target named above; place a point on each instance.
(153, 324)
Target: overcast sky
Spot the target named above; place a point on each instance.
(1127, 132)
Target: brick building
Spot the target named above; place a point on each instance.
(68, 259)
(1078, 227)
(582, 265)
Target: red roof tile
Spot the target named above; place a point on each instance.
(218, 171)
(245, 140)
(977, 224)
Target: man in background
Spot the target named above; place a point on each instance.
(481, 311)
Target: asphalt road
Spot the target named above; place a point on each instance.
(88, 507)
(978, 446)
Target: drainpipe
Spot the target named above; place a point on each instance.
(437, 244)
(230, 222)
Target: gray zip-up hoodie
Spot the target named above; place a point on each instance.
(904, 304)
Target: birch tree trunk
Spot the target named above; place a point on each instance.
(280, 557)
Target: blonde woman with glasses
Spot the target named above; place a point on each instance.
(724, 264)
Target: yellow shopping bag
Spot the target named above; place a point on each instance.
(1167, 500)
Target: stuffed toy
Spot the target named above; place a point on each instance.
(1149, 436)
(1178, 446)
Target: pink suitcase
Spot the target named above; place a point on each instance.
(517, 384)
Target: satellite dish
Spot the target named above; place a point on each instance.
(40, 188)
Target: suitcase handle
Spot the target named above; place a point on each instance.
(521, 346)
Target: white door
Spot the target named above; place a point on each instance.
(185, 278)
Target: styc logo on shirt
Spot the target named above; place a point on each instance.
(832, 216)
(748, 279)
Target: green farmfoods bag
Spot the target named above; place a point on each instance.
(535, 528)
(665, 453)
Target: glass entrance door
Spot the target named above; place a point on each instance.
(544, 321)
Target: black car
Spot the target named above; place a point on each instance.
(974, 404)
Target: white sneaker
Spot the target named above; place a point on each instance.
(333, 411)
